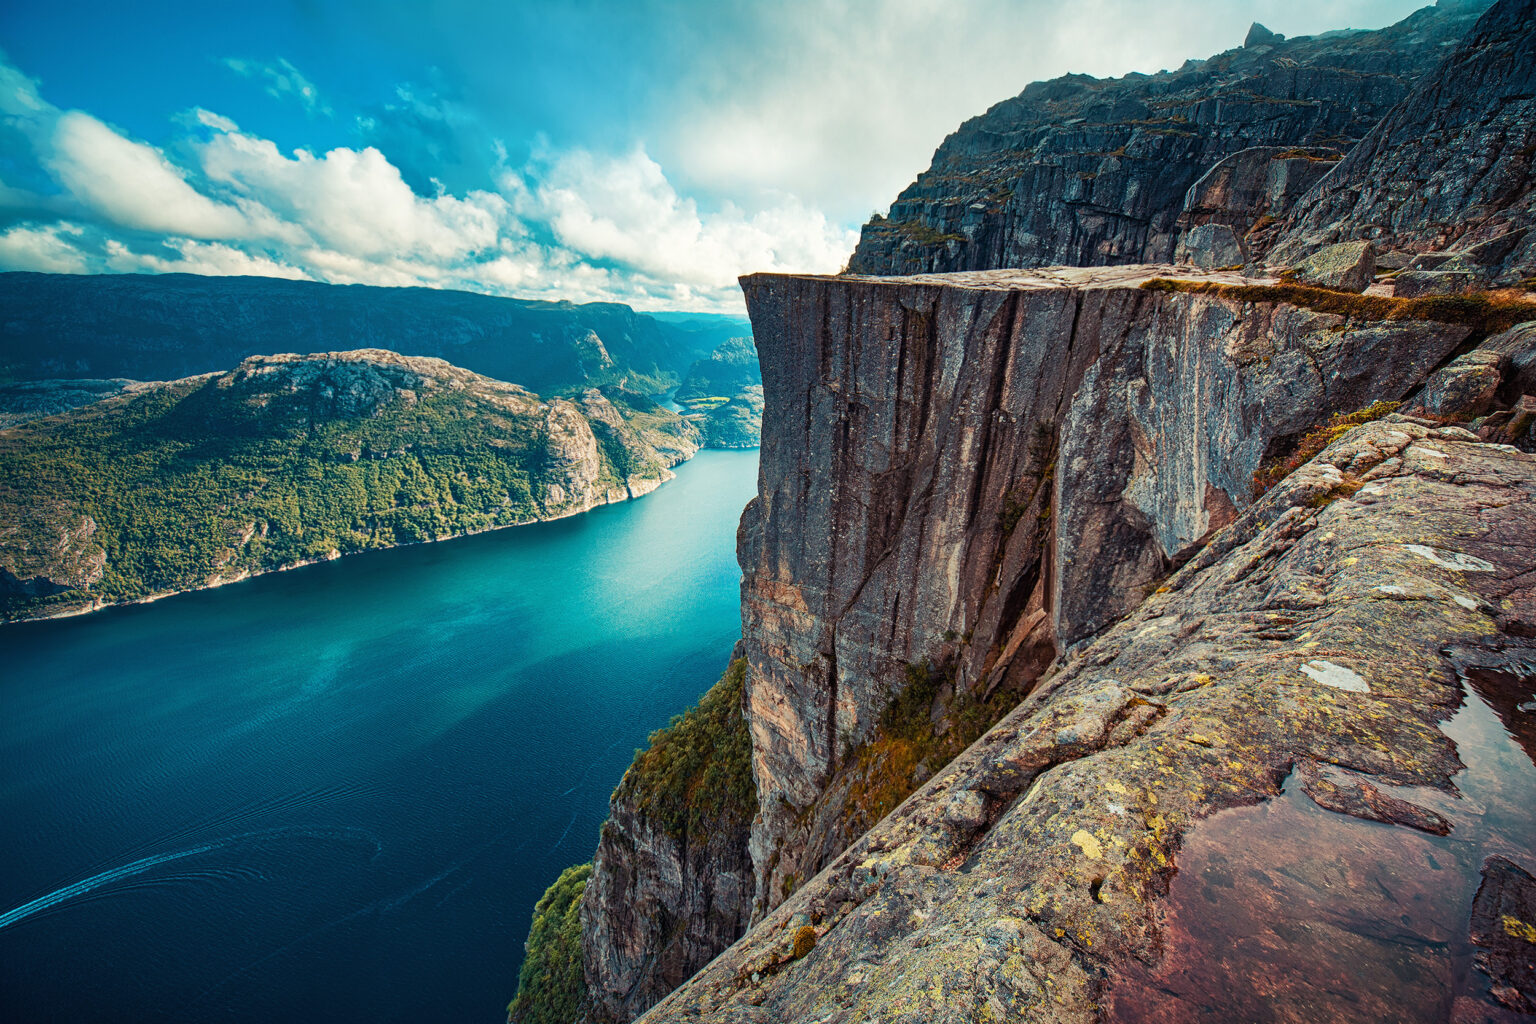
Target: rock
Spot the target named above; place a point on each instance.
(663, 900)
(1448, 167)
(1211, 247)
(1348, 266)
(1258, 35)
(1130, 776)
(1503, 925)
(1011, 459)
(1083, 172)
(1252, 188)
(1470, 385)
(1412, 284)
(1465, 388)
(1519, 344)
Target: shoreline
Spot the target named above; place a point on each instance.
(337, 555)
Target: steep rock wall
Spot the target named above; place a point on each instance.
(977, 470)
(1451, 166)
(1307, 662)
(1081, 172)
(672, 883)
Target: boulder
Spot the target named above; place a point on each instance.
(1350, 266)
(1211, 247)
(1465, 388)
(1412, 284)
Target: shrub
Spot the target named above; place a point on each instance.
(696, 775)
(1485, 312)
(805, 941)
(550, 985)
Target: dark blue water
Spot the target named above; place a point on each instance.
(336, 793)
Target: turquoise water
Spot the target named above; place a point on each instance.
(336, 793)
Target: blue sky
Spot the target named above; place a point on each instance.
(646, 151)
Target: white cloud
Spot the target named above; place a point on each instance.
(44, 249)
(132, 184)
(353, 201)
(623, 210)
(212, 259)
(843, 102)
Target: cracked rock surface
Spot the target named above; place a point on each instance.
(1324, 635)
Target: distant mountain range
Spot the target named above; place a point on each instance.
(169, 326)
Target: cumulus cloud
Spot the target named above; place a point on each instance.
(567, 224)
(49, 249)
(623, 210)
(133, 184)
(842, 103)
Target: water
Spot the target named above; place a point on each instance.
(336, 793)
(1284, 912)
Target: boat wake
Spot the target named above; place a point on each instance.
(143, 864)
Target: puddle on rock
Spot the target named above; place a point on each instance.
(1286, 912)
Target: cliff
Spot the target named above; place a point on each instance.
(289, 459)
(1287, 787)
(979, 488)
(979, 470)
(1079, 171)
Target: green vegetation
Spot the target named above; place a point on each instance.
(926, 725)
(280, 462)
(1271, 471)
(724, 395)
(1485, 312)
(550, 986)
(696, 775)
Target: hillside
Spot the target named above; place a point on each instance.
(1080, 171)
(288, 459)
(724, 394)
(163, 327)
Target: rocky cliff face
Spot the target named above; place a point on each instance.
(1450, 167)
(672, 882)
(1079, 171)
(1277, 719)
(982, 469)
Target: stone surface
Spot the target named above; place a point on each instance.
(1504, 926)
(658, 909)
(1081, 171)
(1450, 166)
(1211, 247)
(1350, 266)
(981, 469)
(1052, 903)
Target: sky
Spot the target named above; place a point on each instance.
(639, 151)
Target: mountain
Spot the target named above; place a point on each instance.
(1137, 641)
(162, 327)
(1080, 171)
(725, 395)
(289, 459)
(1465, 137)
